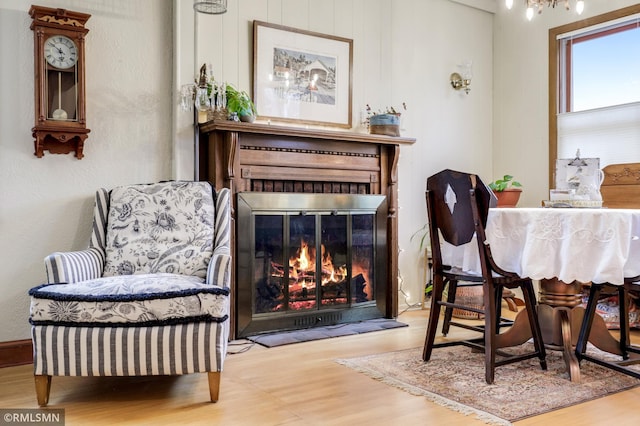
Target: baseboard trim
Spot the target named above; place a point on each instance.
(16, 352)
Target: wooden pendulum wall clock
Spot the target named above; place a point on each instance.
(60, 120)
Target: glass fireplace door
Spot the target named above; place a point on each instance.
(310, 265)
(329, 261)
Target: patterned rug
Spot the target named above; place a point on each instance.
(454, 378)
(317, 333)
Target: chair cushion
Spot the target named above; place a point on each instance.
(161, 227)
(149, 299)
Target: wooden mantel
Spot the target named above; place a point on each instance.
(274, 158)
(316, 133)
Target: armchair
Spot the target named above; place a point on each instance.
(150, 296)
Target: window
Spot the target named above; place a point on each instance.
(601, 67)
(594, 89)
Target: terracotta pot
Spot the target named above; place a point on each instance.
(509, 197)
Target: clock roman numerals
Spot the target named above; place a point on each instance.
(60, 52)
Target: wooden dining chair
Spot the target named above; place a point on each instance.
(458, 204)
(629, 354)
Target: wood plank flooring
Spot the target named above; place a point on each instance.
(297, 384)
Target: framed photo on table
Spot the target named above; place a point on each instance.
(569, 171)
(301, 76)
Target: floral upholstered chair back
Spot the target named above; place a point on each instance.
(166, 227)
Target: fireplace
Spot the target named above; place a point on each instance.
(339, 181)
(307, 260)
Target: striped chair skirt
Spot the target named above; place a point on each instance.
(129, 351)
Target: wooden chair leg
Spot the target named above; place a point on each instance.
(490, 334)
(434, 316)
(532, 313)
(43, 386)
(448, 311)
(587, 320)
(498, 298)
(623, 305)
(214, 385)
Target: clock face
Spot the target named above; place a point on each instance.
(60, 51)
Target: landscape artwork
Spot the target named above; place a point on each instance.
(301, 76)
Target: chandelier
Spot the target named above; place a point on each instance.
(533, 5)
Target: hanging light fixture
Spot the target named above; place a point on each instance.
(210, 7)
(533, 5)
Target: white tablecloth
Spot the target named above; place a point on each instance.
(599, 245)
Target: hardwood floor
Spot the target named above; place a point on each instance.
(290, 385)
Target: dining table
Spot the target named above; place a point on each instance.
(563, 249)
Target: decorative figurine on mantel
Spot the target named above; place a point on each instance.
(202, 101)
(216, 100)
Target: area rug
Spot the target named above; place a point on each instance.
(326, 332)
(454, 378)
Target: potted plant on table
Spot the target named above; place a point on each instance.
(507, 191)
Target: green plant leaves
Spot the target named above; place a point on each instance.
(504, 183)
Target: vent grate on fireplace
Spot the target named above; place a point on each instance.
(319, 319)
(270, 185)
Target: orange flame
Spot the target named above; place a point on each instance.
(302, 270)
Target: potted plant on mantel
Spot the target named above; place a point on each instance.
(384, 122)
(238, 101)
(507, 191)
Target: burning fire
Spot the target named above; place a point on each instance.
(333, 279)
(302, 267)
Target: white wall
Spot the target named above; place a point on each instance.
(453, 129)
(46, 203)
(521, 141)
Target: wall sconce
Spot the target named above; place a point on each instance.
(210, 7)
(462, 80)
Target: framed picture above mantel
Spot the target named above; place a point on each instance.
(301, 76)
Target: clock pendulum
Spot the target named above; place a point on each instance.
(59, 113)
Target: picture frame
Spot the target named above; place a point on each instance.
(302, 76)
(569, 170)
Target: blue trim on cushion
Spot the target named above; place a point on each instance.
(151, 323)
(36, 293)
(33, 290)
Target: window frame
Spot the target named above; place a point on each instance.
(555, 97)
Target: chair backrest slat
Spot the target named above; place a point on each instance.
(456, 203)
(451, 212)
